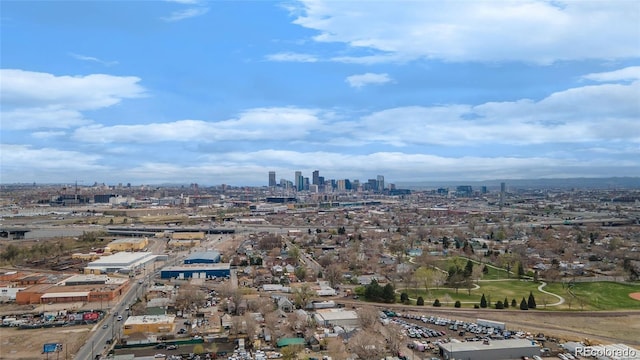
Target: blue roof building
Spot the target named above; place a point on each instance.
(203, 257)
(198, 271)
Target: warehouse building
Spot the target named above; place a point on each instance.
(153, 324)
(346, 319)
(124, 262)
(197, 271)
(489, 350)
(203, 257)
(128, 244)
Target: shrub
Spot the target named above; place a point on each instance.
(457, 304)
(404, 298)
(437, 303)
(420, 301)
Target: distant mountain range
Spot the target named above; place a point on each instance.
(578, 183)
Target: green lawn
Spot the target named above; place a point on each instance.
(496, 290)
(493, 274)
(597, 295)
(588, 296)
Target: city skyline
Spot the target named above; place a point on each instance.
(190, 91)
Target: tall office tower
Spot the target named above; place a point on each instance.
(272, 179)
(380, 180)
(299, 181)
(316, 177)
(502, 187)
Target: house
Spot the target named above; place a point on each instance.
(285, 304)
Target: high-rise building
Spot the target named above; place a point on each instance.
(272, 179)
(299, 181)
(316, 177)
(380, 180)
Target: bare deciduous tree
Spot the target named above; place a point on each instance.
(368, 317)
(336, 349)
(367, 345)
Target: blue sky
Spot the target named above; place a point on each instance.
(212, 92)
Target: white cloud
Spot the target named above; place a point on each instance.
(358, 81)
(253, 124)
(50, 117)
(628, 73)
(607, 112)
(292, 57)
(186, 14)
(594, 113)
(22, 88)
(47, 134)
(93, 59)
(245, 167)
(16, 157)
(32, 100)
(530, 31)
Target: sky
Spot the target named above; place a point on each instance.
(222, 92)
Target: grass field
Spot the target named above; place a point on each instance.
(597, 295)
(493, 291)
(586, 296)
(492, 274)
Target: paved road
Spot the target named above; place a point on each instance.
(97, 341)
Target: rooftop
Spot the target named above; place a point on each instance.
(336, 314)
(195, 267)
(150, 319)
(204, 255)
(493, 345)
(131, 240)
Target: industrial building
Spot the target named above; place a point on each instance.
(79, 288)
(203, 257)
(183, 243)
(124, 262)
(128, 244)
(199, 271)
(489, 350)
(153, 324)
(346, 319)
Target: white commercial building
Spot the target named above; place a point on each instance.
(346, 319)
(124, 262)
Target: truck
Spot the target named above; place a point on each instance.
(8, 321)
(491, 324)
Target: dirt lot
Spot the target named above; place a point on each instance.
(27, 344)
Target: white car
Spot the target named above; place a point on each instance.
(157, 356)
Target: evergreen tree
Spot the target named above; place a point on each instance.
(485, 270)
(468, 269)
(505, 303)
(523, 305)
(388, 293)
(514, 303)
(420, 301)
(520, 270)
(457, 304)
(437, 303)
(483, 302)
(499, 305)
(373, 291)
(404, 298)
(531, 303)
